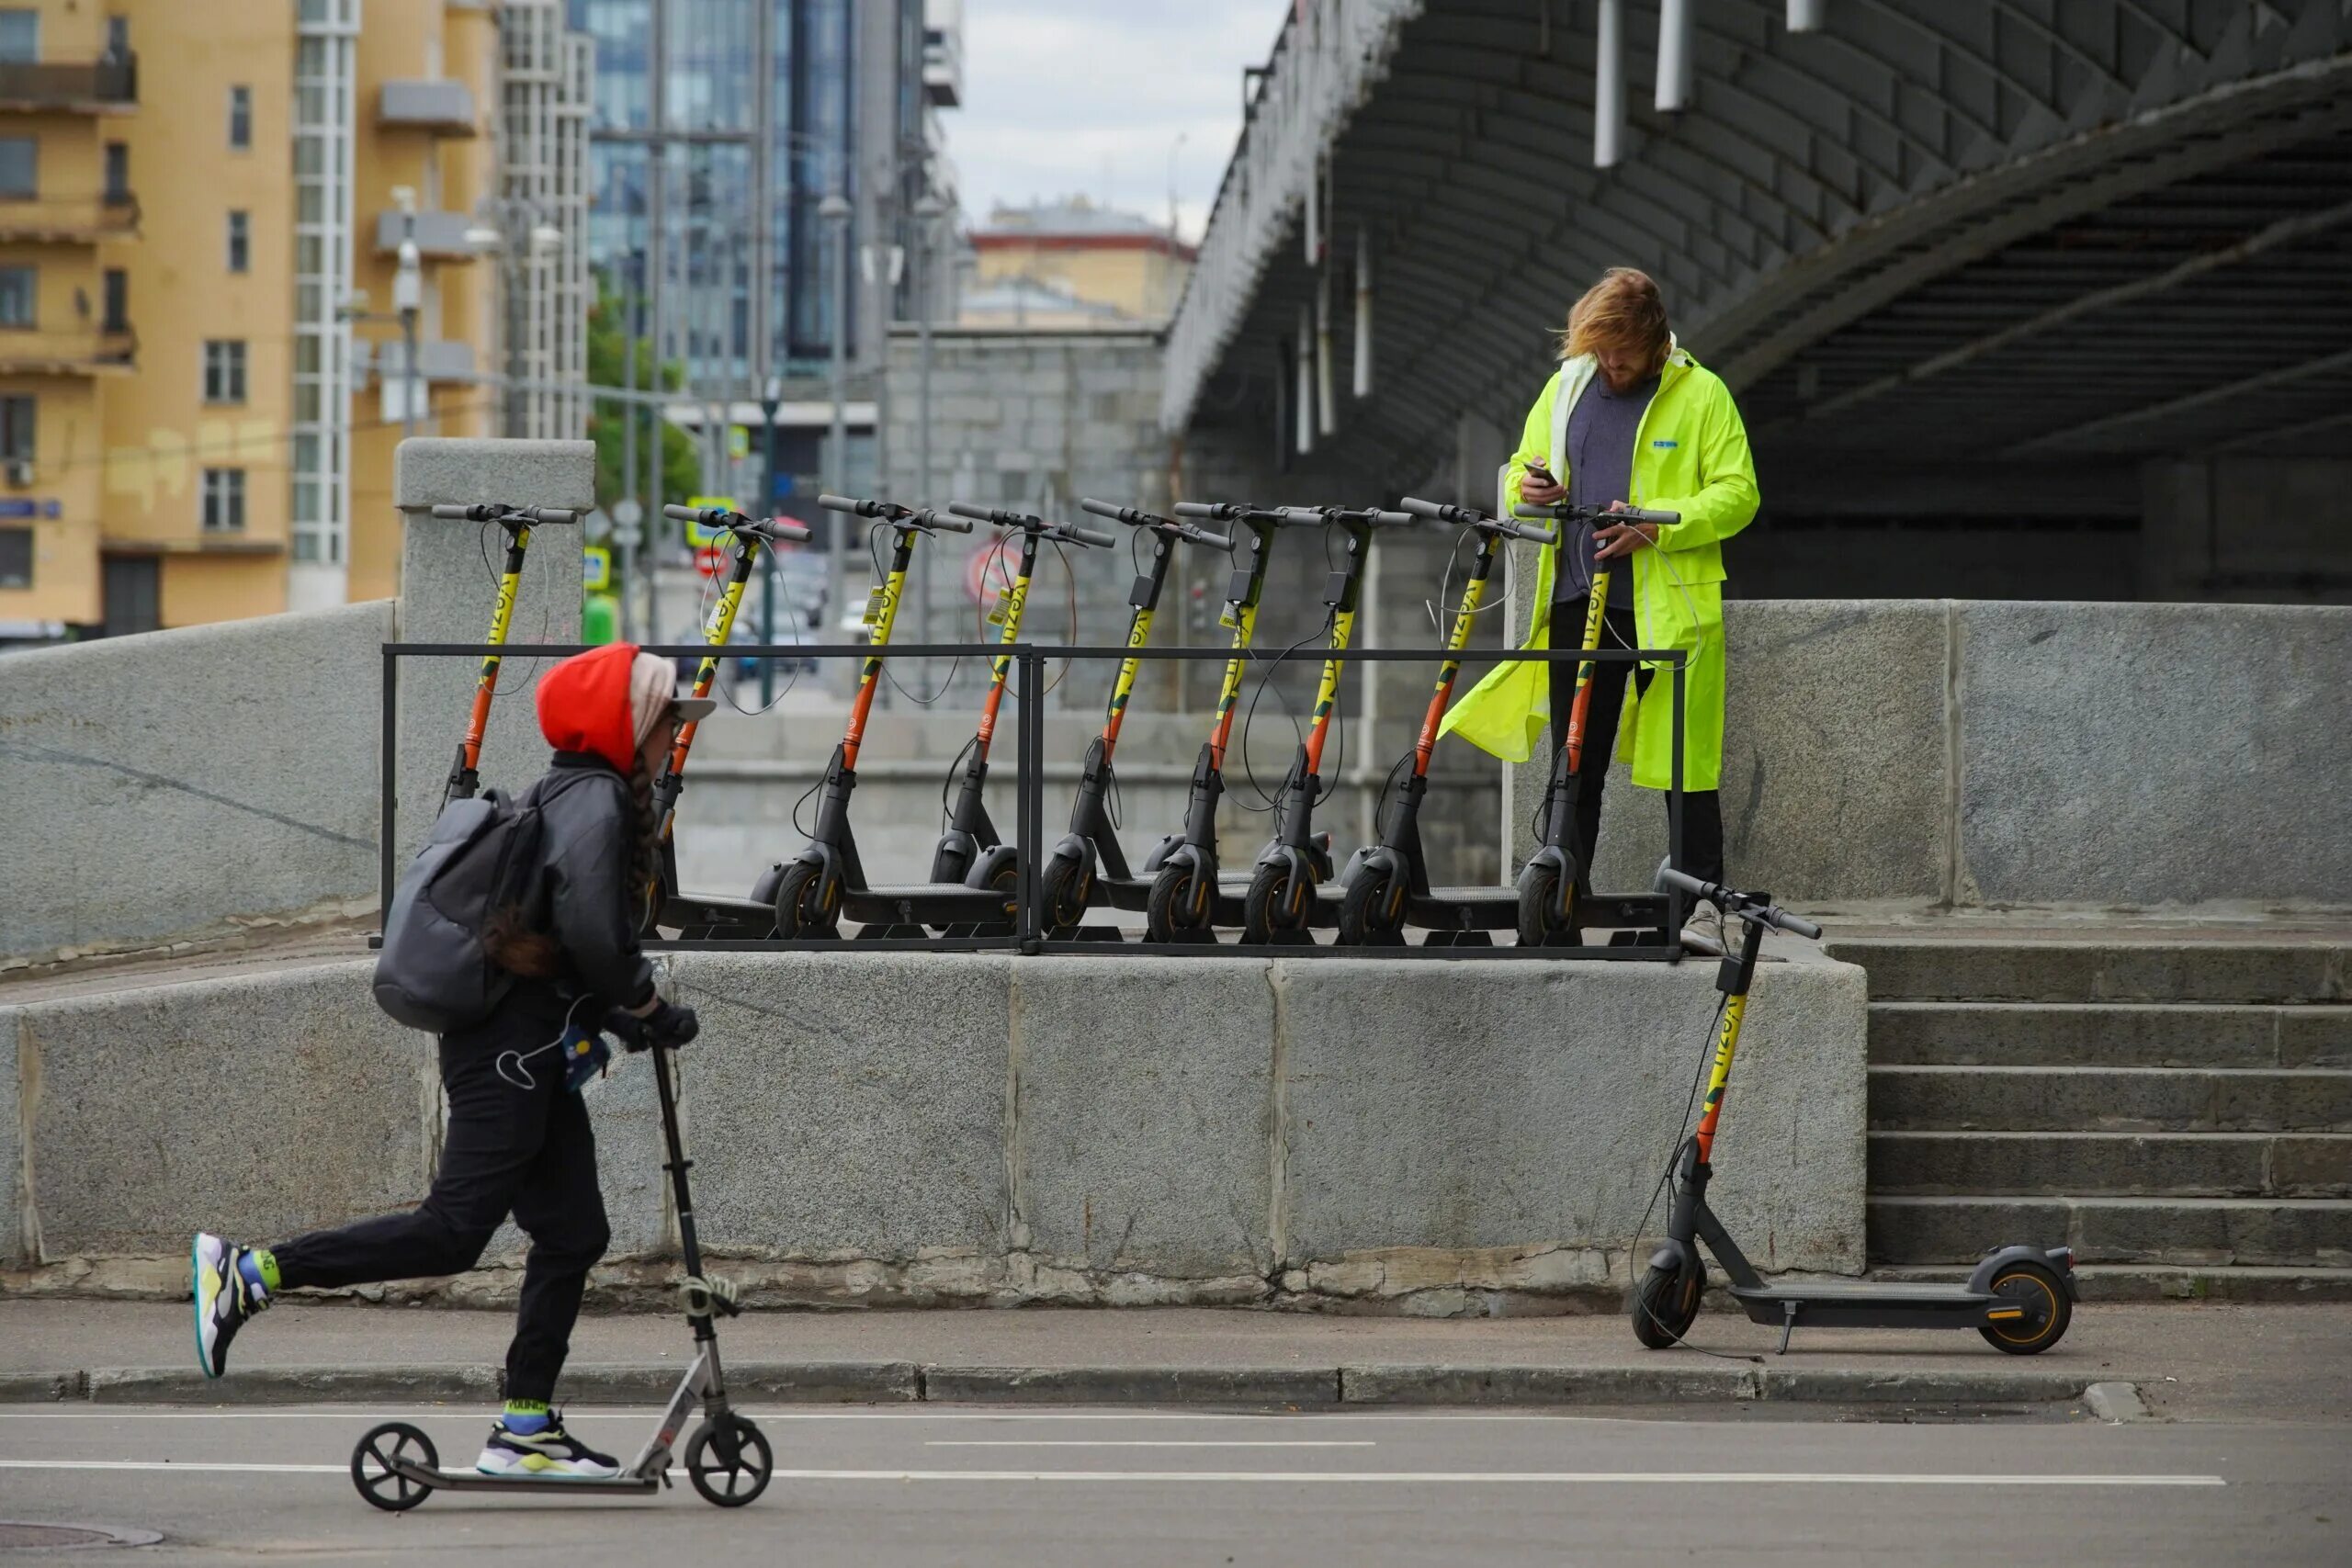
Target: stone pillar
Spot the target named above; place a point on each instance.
(449, 575)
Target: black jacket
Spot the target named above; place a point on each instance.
(584, 898)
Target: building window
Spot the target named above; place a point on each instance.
(117, 37)
(16, 558)
(117, 170)
(116, 283)
(224, 500)
(241, 118)
(17, 428)
(19, 166)
(241, 247)
(224, 370)
(18, 287)
(19, 36)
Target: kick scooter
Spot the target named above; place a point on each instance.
(1282, 898)
(2020, 1298)
(1181, 900)
(1386, 885)
(728, 1459)
(1068, 883)
(1548, 916)
(517, 522)
(690, 915)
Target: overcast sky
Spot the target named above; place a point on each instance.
(1069, 97)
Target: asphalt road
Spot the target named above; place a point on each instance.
(990, 1486)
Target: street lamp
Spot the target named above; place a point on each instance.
(408, 298)
(512, 230)
(928, 211)
(771, 395)
(834, 211)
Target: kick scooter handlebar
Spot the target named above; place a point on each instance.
(1030, 522)
(1241, 512)
(491, 512)
(892, 512)
(771, 529)
(1746, 906)
(1471, 517)
(1301, 516)
(1566, 513)
(1135, 517)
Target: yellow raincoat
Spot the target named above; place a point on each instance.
(1690, 456)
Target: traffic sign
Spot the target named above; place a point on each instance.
(710, 561)
(987, 572)
(739, 441)
(596, 569)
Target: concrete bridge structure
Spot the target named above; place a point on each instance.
(2069, 274)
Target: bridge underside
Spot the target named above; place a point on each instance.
(2084, 269)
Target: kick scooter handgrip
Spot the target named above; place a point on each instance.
(1393, 519)
(774, 528)
(997, 516)
(1085, 536)
(1532, 536)
(932, 517)
(551, 516)
(850, 503)
(1731, 902)
(1637, 514)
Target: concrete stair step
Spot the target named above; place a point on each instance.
(2277, 1231)
(1903, 968)
(2171, 1282)
(2184, 1165)
(2109, 1099)
(2119, 1034)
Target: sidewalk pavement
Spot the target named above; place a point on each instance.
(2189, 1361)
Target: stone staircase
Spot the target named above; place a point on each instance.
(2179, 1110)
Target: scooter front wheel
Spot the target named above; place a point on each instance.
(1175, 906)
(1544, 918)
(2048, 1309)
(727, 1460)
(1277, 901)
(1372, 909)
(372, 1466)
(1066, 891)
(800, 909)
(1665, 1306)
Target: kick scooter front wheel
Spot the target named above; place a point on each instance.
(727, 1460)
(1372, 909)
(378, 1466)
(1545, 920)
(1278, 900)
(1665, 1306)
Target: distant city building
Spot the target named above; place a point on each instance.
(1094, 255)
(204, 376)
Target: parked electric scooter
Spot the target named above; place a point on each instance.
(1068, 884)
(1386, 885)
(396, 1467)
(811, 892)
(695, 915)
(518, 522)
(2020, 1298)
(1548, 916)
(1179, 886)
(1296, 862)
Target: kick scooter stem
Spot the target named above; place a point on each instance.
(517, 521)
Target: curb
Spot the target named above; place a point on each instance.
(908, 1383)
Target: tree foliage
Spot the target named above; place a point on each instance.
(608, 367)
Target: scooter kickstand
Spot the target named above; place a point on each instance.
(1788, 1325)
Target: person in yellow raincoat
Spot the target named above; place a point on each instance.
(1629, 418)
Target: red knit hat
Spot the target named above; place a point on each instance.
(584, 707)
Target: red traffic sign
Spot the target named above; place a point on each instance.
(711, 560)
(987, 570)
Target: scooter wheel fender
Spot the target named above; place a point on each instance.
(1671, 1257)
(1980, 1279)
(1161, 853)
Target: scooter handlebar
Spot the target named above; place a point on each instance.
(850, 503)
(1099, 537)
(774, 528)
(997, 516)
(1137, 517)
(932, 517)
(1393, 519)
(1731, 902)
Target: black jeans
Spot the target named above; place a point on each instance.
(1703, 812)
(525, 1151)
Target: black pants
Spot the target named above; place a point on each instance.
(528, 1152)
(1703, 812)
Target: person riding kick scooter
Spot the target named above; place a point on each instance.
(518, 1139)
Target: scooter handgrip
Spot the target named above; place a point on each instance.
(1533, 513)
(940, 521)
(454, 513)
(1104, 509)
(677, 514)
(1668, 877)
(1200, 509)
(1207, 540)
(846, 503)
(1419, 508)
(1090, 536)
(1639, 514)
(781, 528)
(1796, 925)
(995, 515)
(554, 517)
(1394, 519)
(1536, 536)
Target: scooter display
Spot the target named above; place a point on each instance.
(2021, 1298)
(693, 915)
(1281, 903)
(1071, 880)
(1549, 883)
(516, 522)
(1181, 898)
(1386, 885)
(813, 891)
(395, 1466)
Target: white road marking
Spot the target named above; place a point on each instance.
(915, 1413)
(1147, 1443)
(1291, 1477)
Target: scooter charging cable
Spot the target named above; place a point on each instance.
(521, 1075)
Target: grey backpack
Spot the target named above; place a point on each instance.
(433, 973)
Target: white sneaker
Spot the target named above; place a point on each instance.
(550, 1451)
(1704, 928)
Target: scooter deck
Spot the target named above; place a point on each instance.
(704, 914)
(477, 1481)
(1863, 1304)
(922, 904)
(1232, 889)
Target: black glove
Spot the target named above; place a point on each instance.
(667, 1025)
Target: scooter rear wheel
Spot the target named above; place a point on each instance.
(1665, 1306)
(798, 912)
(727, 1460)
(1168, 913)
(1541, 921)
(2048, 1309)
(1274, 905)
(372, 1472)
(1370, 915)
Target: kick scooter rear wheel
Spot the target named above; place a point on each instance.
(2048, 1309)
(1665, 1307)
(729, 1462)
(372, 1466)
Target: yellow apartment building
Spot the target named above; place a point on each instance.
(202, 366)
(1063, 264)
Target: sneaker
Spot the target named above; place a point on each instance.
(548, 1452)
(1706, 925)
(224, 1299)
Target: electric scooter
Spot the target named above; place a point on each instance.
(1548, 916)
(691, 915)
(811, 892)
(1180, 886)
(1283, 896)
(2020, 1298)
(1068, 884)
(517, 522)
(395, 1466)
(1386, 885)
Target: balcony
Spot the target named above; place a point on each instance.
(437, 360)
(99, 86)
(111, 350)
(67, 219)
(943, 67)
(440, 236)
(440, 108)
